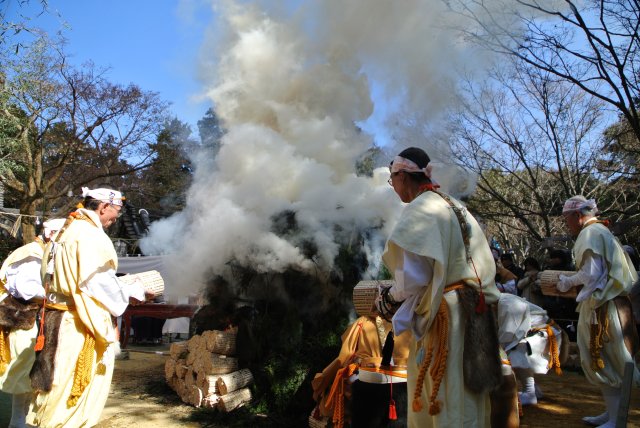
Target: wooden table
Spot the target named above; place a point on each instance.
(153, 310)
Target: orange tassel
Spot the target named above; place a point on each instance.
(39, 343)
(392, 410)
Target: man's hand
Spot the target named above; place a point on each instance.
(562, 283)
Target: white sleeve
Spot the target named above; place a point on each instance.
(592, 275)
(414, 274)
(24, 280)
(113, 294)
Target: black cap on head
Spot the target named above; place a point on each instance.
(416, 155)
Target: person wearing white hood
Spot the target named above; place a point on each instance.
(606, 273)
(21, 292)
(77, 342)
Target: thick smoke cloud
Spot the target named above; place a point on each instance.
(291, 86)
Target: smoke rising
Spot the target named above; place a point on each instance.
(292, 86)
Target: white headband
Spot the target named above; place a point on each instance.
(577, 204)
(105, 195)
(402, 164)
(51, 226)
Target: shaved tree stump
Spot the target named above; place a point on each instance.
(219, 364)
(222, 342)
(169, 368)
(178, 350)
(233, 381)
(210, 400)
(234, 400)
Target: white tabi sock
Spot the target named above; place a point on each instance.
(612, 400)
(19, 404)
(528, 394)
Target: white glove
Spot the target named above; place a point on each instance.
(562, 284)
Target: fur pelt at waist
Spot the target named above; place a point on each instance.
(627, 324)
(482, 367)
(42, 371)
(17, 313)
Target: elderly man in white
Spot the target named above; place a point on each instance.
(82, 295)
(606, 274)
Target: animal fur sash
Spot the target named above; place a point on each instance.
(17, 314)
(42, 371)
(627, 324)
(482, 367)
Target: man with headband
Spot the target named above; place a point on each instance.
(77, 341)
(21, 292)
(444, 283)
(606, 274)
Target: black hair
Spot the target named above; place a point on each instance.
(420, 158)
(530, 261)
(91, 203)
(416, 155)
(507, 256)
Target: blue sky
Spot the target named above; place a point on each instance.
(151, 43)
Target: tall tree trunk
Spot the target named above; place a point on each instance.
(28, 212)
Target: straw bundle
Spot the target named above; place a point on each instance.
(549, 279)
(365, 294)
(234, 400)
(233, 381)
(319, 422)
(151, 281)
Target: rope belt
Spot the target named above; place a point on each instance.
(599, 335)
(336, 395)
(5, 350)
(438, 348)
(82, 375)
(554, 351)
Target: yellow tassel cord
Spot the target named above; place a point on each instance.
(599, 335)
(84, 365)
(336, 394)
(439, 342)
(5, 351)
(554, 352)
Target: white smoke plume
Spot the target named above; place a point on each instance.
(291, 87)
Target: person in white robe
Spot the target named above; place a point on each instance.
(79, 276)
(20, 279)
(436, 250)
(606, 275)
(533, 342)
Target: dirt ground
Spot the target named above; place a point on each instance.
(139, 399)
